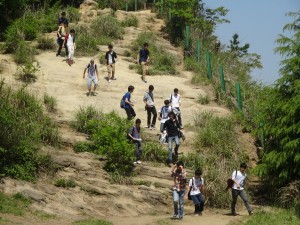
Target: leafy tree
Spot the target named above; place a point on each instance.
(281, 113)
(236, 48)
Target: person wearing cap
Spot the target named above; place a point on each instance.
(91, 78)
(111, 58)
(239, 178)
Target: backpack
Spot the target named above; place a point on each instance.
(230, 182)
(122, 102)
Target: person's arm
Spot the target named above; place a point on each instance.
(130, 133)
(165, 127)
(128, 102)
(116, 57)
(97, 73)
(233, 177)
(84, 72)
(74, 43)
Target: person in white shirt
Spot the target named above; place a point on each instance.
(92, 72)
(239, 177)
(71, 45)
(175, 103)
(196, 185)
(111, 58)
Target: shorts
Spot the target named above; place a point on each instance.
(92, 79)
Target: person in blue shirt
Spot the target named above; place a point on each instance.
(129, 104)
(143, 59)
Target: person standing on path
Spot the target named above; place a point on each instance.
(92, 72)
(61, 34)
(175, 103)
(135, 135)
(239, 177)
(179, 176)
(63, 19)
(143, 59)
(128, 103)
(111, 58)
(196, 185)
(150, 107)
(71, 45)
(171, 127)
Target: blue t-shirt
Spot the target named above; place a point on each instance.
(128, 96)
(144, 54)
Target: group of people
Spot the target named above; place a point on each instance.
(196, 189)
(170, 125)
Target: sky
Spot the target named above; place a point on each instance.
(259, 23)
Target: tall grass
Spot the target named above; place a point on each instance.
(16, 204)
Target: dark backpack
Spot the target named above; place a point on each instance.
(122, 102)
(230, 182)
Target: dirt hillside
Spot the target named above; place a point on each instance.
(94, 196)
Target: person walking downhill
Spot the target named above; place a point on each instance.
(62, 18)
(128, 103)
(61, 34)
(143, 59)
(92, 72)
(135, 135)
(179, 176)
(196, 185)
(239, 177)
(175, 101)
(171, 127)
(71, 45)
(150, 107)
(163, 117)
(111, 58)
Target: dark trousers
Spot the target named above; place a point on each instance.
(151, 110)
(199, 202)
(179, 117)
(138, 149)
(242, 194)
(130, 113)
(60, 43)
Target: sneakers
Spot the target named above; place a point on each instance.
(137, 162)
(88, 93)
(109, 81)
(153, 127)
(234, 214)
(113, 78)
(250, 213)
(175, 215)
(93, 93)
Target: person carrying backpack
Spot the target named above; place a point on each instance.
(175, 101)
(196, 185)
(238, 177)
(128, 104)
(91, 78)
(135, 137)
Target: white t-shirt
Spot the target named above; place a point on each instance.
(175, 100)
(195, 184)
(240, 178)
(91, 70)
(149, 99)
(70, 40)
(110, 61)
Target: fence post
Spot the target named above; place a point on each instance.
(222, 80)
(135, 5)
(198, 50)
(239, 97)
(262, 134)
(161, 7)
(187, 37)
(209, 71)
(126, 6)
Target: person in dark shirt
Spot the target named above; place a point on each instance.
(143, 59)
(111, 58)
(135, 135)
(171, 127)
(128, 103)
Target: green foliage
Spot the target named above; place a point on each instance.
(83, 116)
(45, 43)
(272, 217)
(91, 222)
(121, 4)
(297, 209)
(280, 112)
(27, 72)
(84, 147)
(235, 48)
(289, 195)
(130, 21)
(65, 183)
(24, 53)
(107, 26)
(16, 204)
(24, 129)
(204, 100)
(50, 103)
(154, 152)
(108, 136)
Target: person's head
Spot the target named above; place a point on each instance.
(180, 166)
(243, 167)
(146, 45)
(171, 115)
(110, 47)
(138, 122)
(130, 89)
(72, 31)
(198, 173)
(63, 14)
(167, 102)
(151, 88)
(176, 91)
(92, 62)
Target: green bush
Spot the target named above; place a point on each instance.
(130, 21)
(27, 72)
(24, 127)
(65, 183)
(154, 152)
(84, 147)
(92, 222)
(204, 100)
(297, 209)
(16, 204)
(107, 26)
(45, 43)
(24, 53)
(50, 103)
